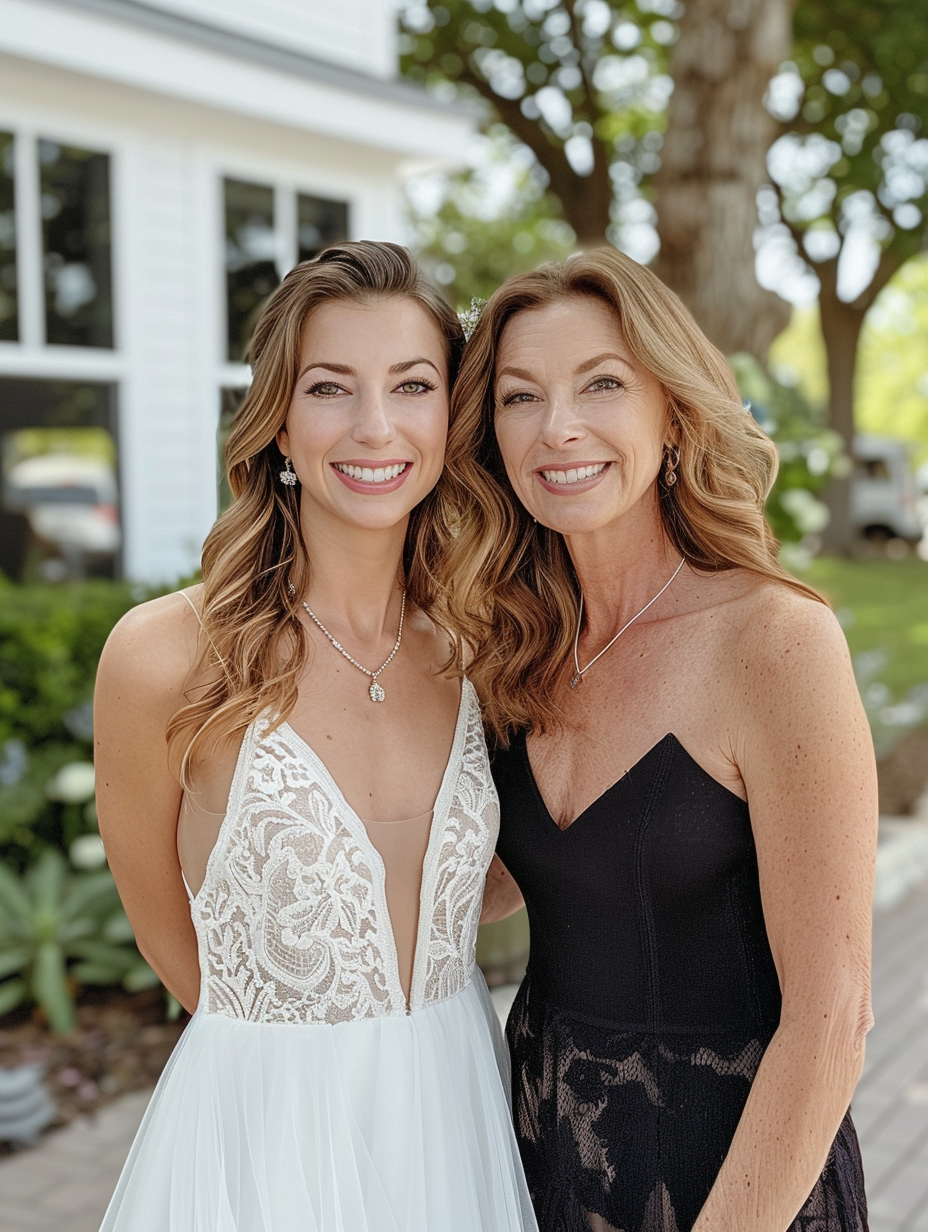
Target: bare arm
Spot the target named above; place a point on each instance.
(805, 755)
(501, 896)
(140, 684)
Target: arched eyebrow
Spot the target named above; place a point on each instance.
(599, 359)
(586, 366)
(345, 370)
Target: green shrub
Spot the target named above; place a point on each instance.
(58, 927)
(810, 453)
(50, 642)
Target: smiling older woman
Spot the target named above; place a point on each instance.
(685, 773)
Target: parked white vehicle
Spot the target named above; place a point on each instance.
(884, 497)
(71, 503)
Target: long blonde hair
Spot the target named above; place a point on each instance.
(512, 593)
(254, 649)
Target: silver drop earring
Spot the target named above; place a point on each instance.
(288, 475)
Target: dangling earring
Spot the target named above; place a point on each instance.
(672, 458)
(288, 476)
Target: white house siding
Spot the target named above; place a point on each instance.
(359, 34)
(144, 98)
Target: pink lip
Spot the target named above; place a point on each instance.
(571, 489)
(373, 489)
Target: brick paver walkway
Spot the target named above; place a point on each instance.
(64, 1184)
(891, 1102)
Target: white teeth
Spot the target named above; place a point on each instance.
(574, 474)
(367, 474)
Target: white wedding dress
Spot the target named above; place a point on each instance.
(305, 1094)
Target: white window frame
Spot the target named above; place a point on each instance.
(32, 355)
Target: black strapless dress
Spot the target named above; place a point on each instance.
(650, 997)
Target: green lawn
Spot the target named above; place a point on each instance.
(883, 605)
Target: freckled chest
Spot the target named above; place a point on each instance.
(666, 676)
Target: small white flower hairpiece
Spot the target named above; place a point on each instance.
(473, 314)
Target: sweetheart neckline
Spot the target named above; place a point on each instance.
(607, 791)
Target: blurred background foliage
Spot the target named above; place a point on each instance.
(61, 922)
(891, 397)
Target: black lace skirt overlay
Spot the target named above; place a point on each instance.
(651, 996)
(625, 1131)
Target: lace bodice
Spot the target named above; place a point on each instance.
(292, 917)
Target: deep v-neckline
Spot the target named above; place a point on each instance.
(607, 791)
(356, 825)
(310, 753)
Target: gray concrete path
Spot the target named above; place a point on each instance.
(64, 1184)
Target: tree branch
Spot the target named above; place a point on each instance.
(890, 262)
(577, 36)
(550, 156)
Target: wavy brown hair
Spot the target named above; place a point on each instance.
(249, 615)
(511, 589)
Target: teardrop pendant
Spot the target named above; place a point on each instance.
(575, 680)
(376, 692)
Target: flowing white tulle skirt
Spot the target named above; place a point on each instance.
(396, 1124)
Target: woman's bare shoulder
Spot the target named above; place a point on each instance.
(788, 643)
(155, 644)
(772, 612)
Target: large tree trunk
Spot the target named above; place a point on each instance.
(714, 161)
(841, 326)
(585, 200)
(842, 323)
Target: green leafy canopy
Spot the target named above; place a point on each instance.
(854, 101)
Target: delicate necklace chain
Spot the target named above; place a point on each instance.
(376, 690)
(578, 674)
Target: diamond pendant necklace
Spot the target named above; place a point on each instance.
(578, 674)
(376, 690)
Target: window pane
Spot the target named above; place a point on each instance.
(9, 326)
(59, 496)
(251, 249)
(75, 187)
(319, 224)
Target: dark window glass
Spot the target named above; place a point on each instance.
(319, 224)
(251, 249)
(59, 491)
(9, 325)
(75, 188)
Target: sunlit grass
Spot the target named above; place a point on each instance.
(883, 605)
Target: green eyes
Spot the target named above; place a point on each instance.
(600, 384)
(416, 387)
(331, 389)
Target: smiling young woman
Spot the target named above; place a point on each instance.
(685, 773)
(297, 806)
